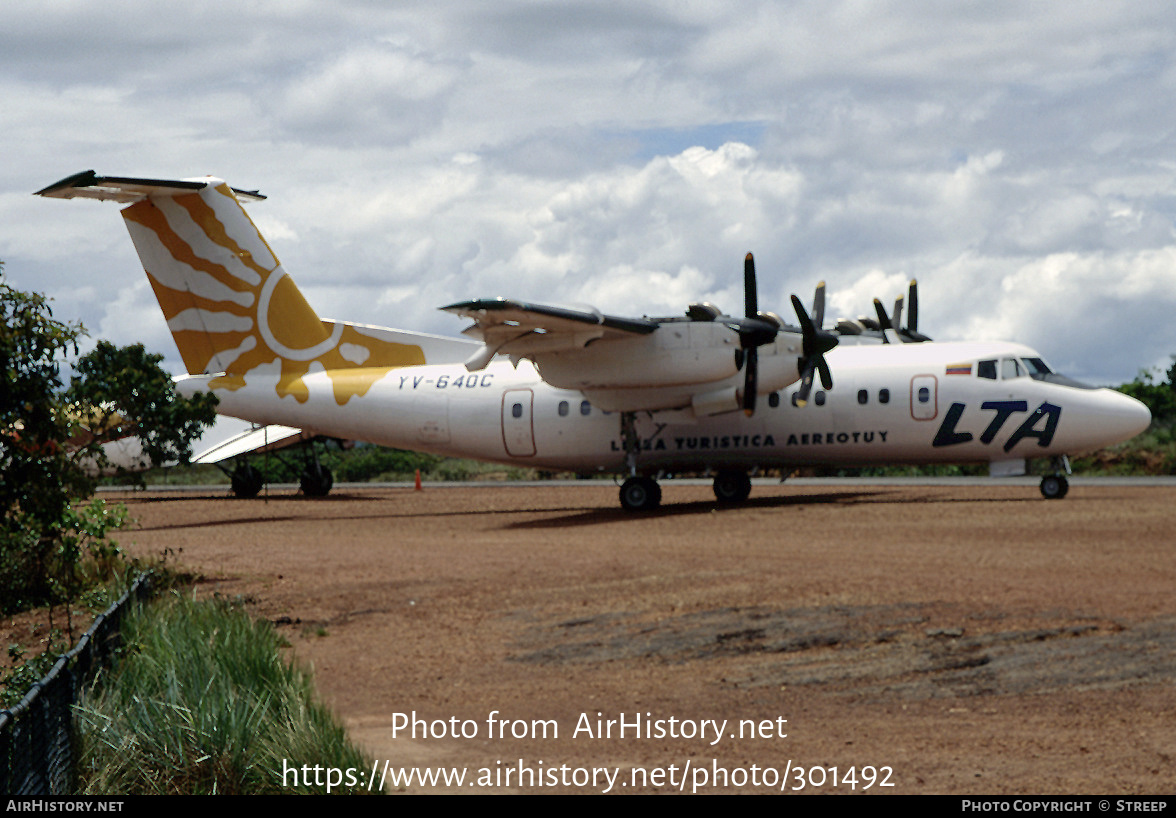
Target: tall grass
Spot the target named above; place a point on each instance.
(204, 703)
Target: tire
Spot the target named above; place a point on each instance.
(732, 486)
(246, 481)
(640, 494)
(316, 481)
(1054, 486)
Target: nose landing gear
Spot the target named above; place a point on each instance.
(1054, 486)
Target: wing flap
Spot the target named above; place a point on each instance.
(520, 329)
(493, 311)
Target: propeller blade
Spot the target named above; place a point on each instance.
(750, 296)
(911, 331)
(806, 386)
(826, 375)
(807, 331)
(819, 305)
(913, 306)
(754, 332)
(883, 320)
(750, 381)
(897, 318)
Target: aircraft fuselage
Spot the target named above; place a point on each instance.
(916, 403)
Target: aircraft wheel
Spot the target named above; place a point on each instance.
(246, 481)
(1054, 486)
(640, 494)
(316, 481)
(732, 486)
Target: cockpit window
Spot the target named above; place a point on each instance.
(986, 369)
(1036, 366)
(1010, 368)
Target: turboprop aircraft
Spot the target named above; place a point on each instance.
(573, 389)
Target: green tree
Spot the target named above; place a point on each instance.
(122, 391)
(1151, 388)
(51, 437)
(39, 479)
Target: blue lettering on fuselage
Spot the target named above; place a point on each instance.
(833, 438)
(461, 381)
(713, 442)
(1042, 423)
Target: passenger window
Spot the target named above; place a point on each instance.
(563, 408)
(516, 411)
(1009, 369)
(585, 407)
(986, 369)
(863, 396)
(924, 394)
(819, 398)
(883, 396)
(774, 400)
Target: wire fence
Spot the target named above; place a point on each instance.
(36, 736)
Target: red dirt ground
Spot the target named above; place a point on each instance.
(970, 640)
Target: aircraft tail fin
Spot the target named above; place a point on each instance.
(230, 306)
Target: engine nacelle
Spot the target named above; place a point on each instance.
(693, 367)
(679, 353)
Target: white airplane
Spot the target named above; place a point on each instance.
(575, 390)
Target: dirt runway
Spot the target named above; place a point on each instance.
(935, 639)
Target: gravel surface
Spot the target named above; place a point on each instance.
(940, 639)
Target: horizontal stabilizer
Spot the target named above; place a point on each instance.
(125, 189)
(253, 441)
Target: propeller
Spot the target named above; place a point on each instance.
(815, 343)
(911, 333)
(756, 329)
(754, 332)
(907, 334)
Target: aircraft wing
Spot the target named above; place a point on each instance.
(518, 329)
(253, 441)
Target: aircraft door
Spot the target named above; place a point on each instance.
(924, 397)
(432, 419)
(518, 430)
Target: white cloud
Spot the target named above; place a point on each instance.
(1014, 159)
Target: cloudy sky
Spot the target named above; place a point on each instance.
(1018, 159)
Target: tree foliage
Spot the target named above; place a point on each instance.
(38, 477)
(1157, 391)
(51, 438)
(122, 391)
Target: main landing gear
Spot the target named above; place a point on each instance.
(314, 479)
(246, 481)
(642, 493)
(638, 492)
(1054, 486)
(732, 486)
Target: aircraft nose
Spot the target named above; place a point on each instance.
(1127, 417)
